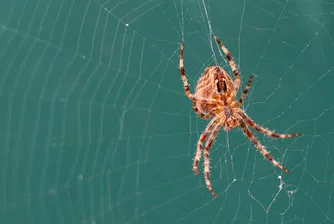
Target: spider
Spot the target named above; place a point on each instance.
(215, 96)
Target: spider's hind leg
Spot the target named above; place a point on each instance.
(231, 63)
(203, 116)
(241, 101)
(183, 74)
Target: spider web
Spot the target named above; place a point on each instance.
(96, 127)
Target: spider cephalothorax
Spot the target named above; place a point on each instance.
(215, 97)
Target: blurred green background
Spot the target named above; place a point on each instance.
(96, 128)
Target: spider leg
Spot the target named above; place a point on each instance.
(201, 139)
(260, 147)
(183, 74)
(208, 145)
(203, 116)
(241, 101)
(263, 130)
(204, 100)
(232, 64)
(186, 84)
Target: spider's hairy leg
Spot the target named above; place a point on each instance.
(215, 100)
(202, 138)
(183, 74)
(263, 130)
(232, 64)
(241, 101)
(260, 147)
(186, 84)
(203, 116)
(208, 145)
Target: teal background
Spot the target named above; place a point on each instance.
(95, 126)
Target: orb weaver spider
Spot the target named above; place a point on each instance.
(215, 97)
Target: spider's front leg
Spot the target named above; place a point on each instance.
(200, 142)
(208, 145)
(263, 130)
(212, 128)
(260, 147)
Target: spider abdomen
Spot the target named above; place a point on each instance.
(213, 81)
